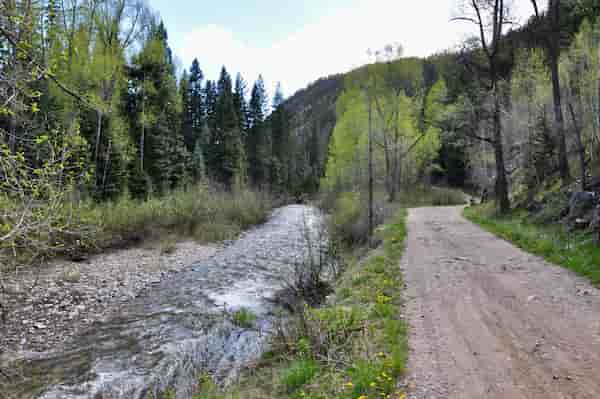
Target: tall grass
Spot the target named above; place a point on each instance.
(349, 209)
(575, 251)
(352, 347)
(199, 212)
(72, 229)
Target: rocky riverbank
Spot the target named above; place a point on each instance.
(176, 326)
(46, 307)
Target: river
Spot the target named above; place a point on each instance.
(181, 328)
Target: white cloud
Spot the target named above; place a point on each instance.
(337, 42)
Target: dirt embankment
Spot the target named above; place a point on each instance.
(48, 306)
(491, 321)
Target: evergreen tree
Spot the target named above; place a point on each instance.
(278, 98)
(198, 166)
(196, 109)
(186, 110)
(160, 33)
(226, 151)
(258, 148)
(240, 104)
(279, 122)
(210, 96)
(154, 109)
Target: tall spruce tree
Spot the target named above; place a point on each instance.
(258, 149)
(186, 109)
(210, 98)
(279, 121)
(240, 103)
(196, 108)
(154, 115)
(226, 149)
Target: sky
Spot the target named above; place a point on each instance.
(297, 42)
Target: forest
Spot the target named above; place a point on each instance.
(138, 197)
(94, 112)
(512, 113)
(96, 120)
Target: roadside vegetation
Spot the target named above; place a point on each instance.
(354, 345)
(553, 241)
(35, 234)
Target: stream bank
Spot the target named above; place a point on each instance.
(176, 330)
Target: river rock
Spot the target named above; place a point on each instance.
(595, 224)
(594, 185)
(581, 204)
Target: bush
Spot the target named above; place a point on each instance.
(552, 241)
(298, 374)
(197, 211)
(243, 318)
(350, 223)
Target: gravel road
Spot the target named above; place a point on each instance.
(491, 321)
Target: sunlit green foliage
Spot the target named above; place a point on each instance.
(405, 124)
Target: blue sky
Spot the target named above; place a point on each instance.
(259, 21)
(297, 42)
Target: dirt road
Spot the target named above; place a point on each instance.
(491, 321)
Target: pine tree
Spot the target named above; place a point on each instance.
(186, 110)
(240, 103)
(226, 151)
(198, 166)
(278, 98)
(279, 121)
(197, 109)
(154, 110)
(210, 98)
(258, 149)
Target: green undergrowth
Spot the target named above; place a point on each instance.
(73, 229)
(198, 212)
(349, 209)
(553, 242)
(243, 318)
(355, 346)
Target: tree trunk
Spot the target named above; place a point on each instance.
(563, 160)
(12, 131)
(371, 178)
(11, 11)
(502, 199)
(98, 135)
(388, 171)
(580, 147)
(106, 166)
(394, 180)
(142, 138)
(554, 52)
(596, 142)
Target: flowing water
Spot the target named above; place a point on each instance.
(180, 329)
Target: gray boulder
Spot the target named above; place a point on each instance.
(581, 204)
(594, 185)
(595, 224)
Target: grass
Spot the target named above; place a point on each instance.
(198, 212)
(349, 222)
(553, 242)
(355, 347)
(243, 318)
(73, 229)
(299, 373)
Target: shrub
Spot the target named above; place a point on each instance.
(243, 318)
(298, 374)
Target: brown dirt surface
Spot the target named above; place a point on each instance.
(47, 306)
(491, 321)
